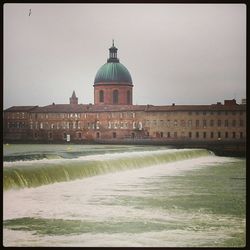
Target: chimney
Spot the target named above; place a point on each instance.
(230, 102)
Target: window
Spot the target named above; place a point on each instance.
(241, 123)
(101, 96)
(161, 134)
(109, 125)
(211, 123)
(234, 135)
(204, 135)
(97, 125)
(219, 123)
(197, 134)
(175, 123)
(190, 123)
(64, 136)
(241, 135)
(50, 135)
(134, 125)
(114, 134)
(97, 135)
(204, 123)
(140, 125)
(190, 134)
(128, 97)
(168, 134)
(212, 135)
(219, 135)
(197, 123)
(115, 96)
(183, 124)
(234, 123)
(226, 134)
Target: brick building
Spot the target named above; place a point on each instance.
(114, 117)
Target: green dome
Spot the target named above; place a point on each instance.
(113, 72)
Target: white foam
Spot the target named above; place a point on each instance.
(94, 199)
(96, 157)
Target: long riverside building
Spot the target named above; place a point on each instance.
(114, 117)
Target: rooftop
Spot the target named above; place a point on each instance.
(82, 108)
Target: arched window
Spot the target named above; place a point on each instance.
(101, 96)
(115, 96)
(128, 97)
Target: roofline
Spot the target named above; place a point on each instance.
(114, 83)
(20, 110)
(92, 108)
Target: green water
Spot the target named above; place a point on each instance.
(183, 198)
(22, 152)
(43, 173)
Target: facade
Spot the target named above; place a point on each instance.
(114, 117)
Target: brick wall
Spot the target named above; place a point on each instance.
(108, 93)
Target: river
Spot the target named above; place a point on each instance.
(122, 196)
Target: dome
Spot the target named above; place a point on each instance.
(113, 72)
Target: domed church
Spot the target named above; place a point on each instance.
(113, 83)
(113, 117)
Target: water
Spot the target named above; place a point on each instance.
(122, 196)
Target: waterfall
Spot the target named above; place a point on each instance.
(38, 173)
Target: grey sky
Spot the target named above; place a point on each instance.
(181, 53)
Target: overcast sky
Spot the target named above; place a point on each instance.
(175, 53)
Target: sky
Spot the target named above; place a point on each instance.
(175, 53)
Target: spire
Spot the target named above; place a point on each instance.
(73, 99)
(73, 94)
(113, 53)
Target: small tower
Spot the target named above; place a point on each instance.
(113, 54)
(73, 99)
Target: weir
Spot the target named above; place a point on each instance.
(38, 174)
